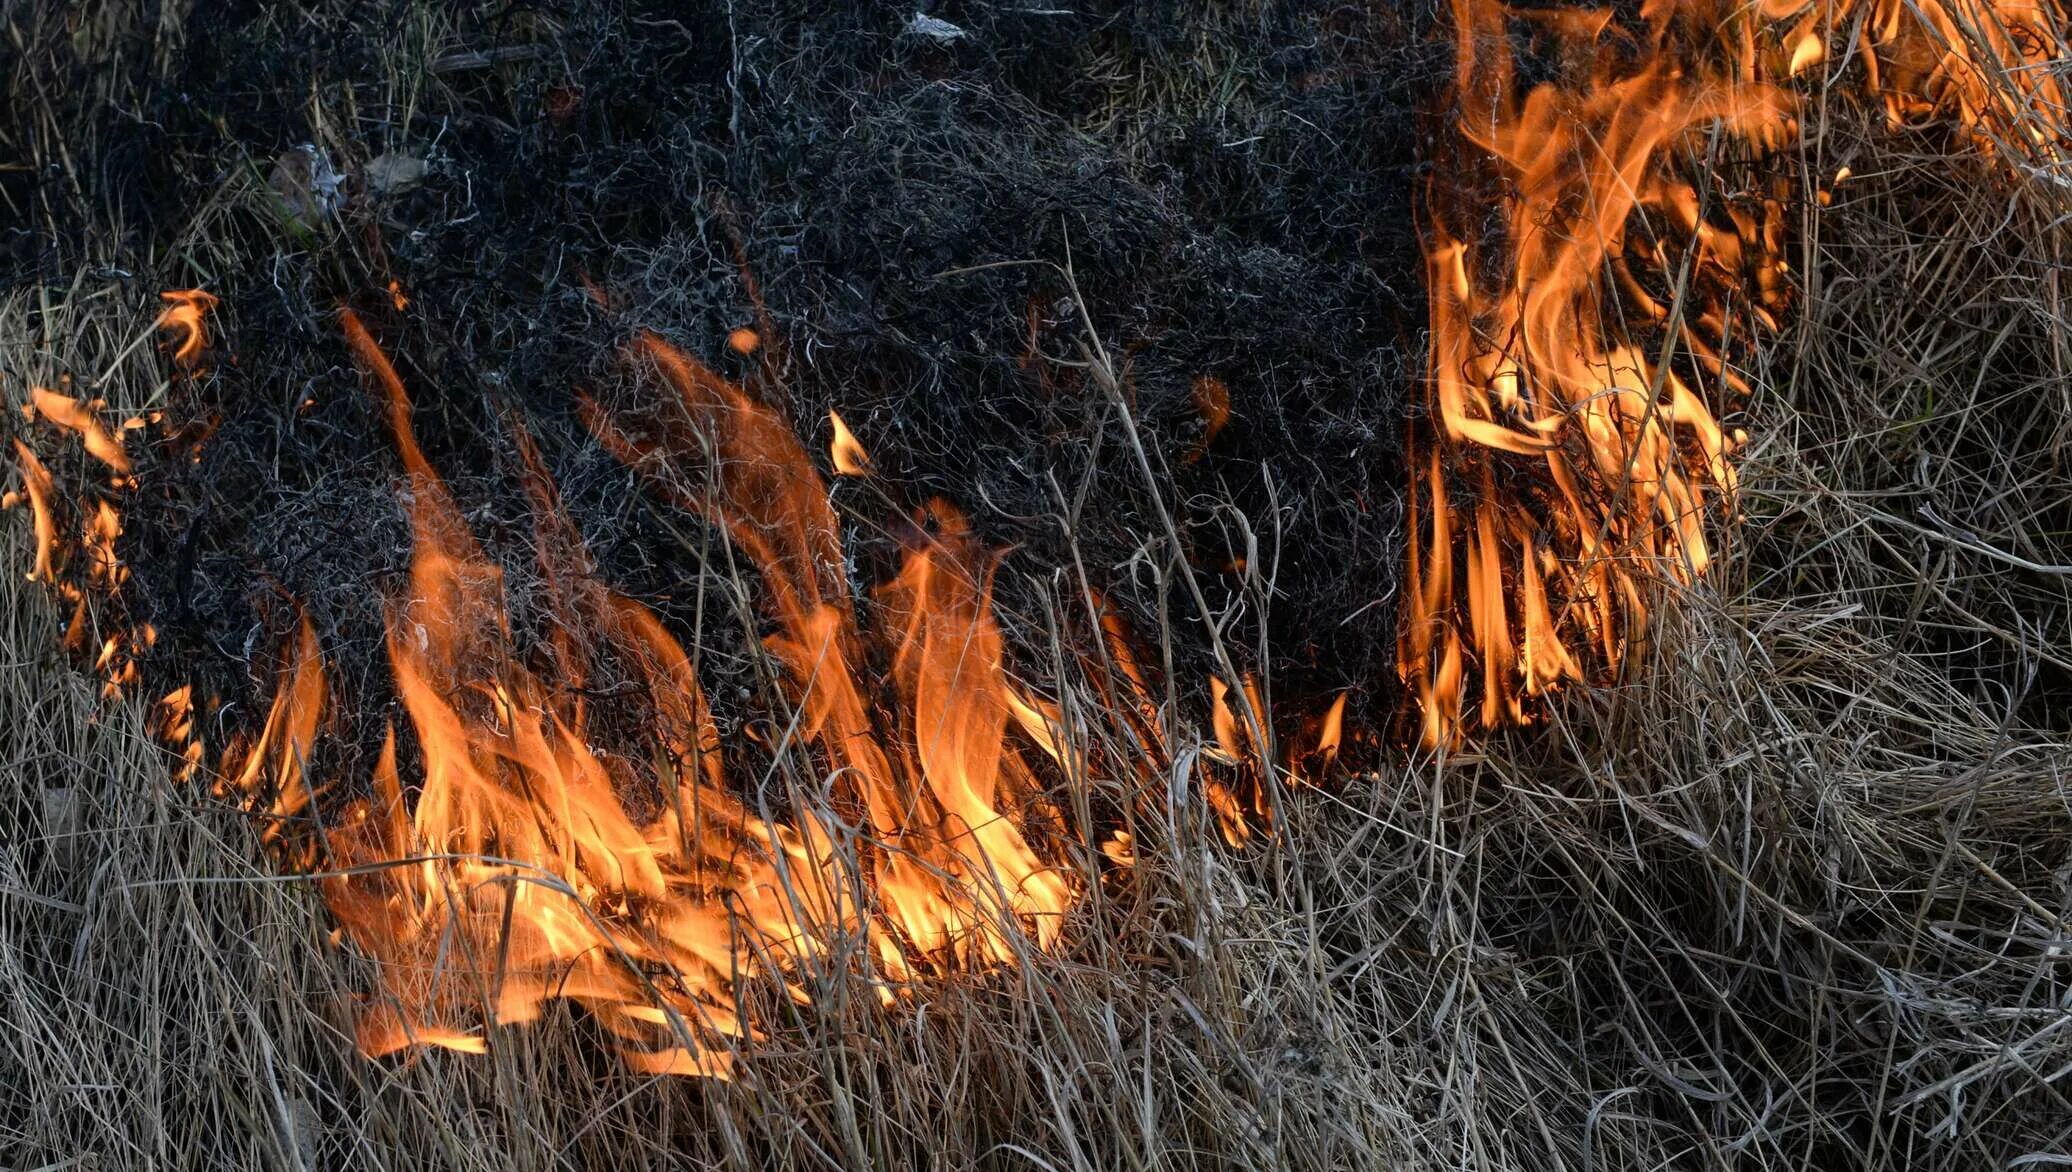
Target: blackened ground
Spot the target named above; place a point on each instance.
(1229, 185)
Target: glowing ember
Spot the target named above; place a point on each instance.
(1580, 340)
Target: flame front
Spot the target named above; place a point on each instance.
(1581, 336)
(76, 535)
(497, 857)
(521, 865)
(77, 525)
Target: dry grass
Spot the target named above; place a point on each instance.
(177, 1004)
(1792, 897)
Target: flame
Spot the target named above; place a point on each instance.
(937, 794)
(1572, 452)
(82, 420)
(172, 722)
(76, 535)
(78, 529)
(36, 484)
(1995, 67)
(849, 457)
(184, 312)
(274, 777)
(1331, 730)
(496, 859)
(531, 867)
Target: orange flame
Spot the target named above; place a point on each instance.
(532, 868)
(1995, 67)
(36, 482)
(76, 536)
(274, 777)
(848, 455)
(1572, 450)
(172, 722)
(81, 420)
(519, 864)
(184, 312)
(77, 528)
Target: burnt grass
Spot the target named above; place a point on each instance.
(904, 209)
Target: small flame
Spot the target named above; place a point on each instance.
(1332, 731)
(81, 420)
(173, 723)
(183, 317)
(849, 457)
(36, 483)
(274, 774)
(1808, 52)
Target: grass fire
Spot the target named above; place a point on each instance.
(1295, 585)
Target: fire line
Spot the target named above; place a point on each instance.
(497, 861)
